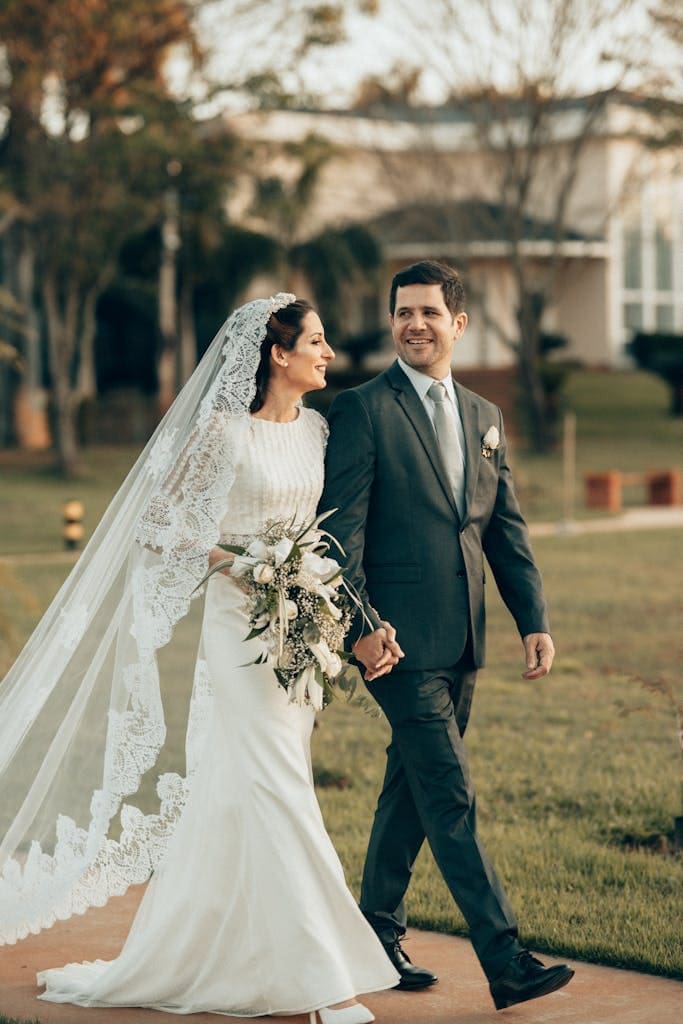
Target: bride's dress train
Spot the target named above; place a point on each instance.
(249, 913)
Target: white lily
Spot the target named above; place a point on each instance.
(282, 550)
(329, 661)
(310, 562)
(241, 565)
(307, 685)
(259, 549)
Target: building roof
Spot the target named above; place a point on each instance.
(471, 227)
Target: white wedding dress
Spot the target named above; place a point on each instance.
(249, 913)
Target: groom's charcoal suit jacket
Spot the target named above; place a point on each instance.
(407, 551)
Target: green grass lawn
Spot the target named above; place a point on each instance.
(575, 801)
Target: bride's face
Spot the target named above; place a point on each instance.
(307, 361)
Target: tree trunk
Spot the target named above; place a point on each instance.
(61, 330)
(188, 336)
(86, 386)
(167, 377)
(30, 404)
(86, 383)
(533, 392)
(168, 307)
(66, 435)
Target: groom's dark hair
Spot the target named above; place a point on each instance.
(431, 272)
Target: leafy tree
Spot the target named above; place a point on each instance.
(666, 77)
(90, 124)
(93, 144)
(336, 262)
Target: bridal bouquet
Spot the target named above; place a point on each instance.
(299, 605)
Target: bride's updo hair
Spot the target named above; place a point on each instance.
(283, 329)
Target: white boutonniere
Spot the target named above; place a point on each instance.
(490, 442)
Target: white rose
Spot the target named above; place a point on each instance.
(291, 609)
(282, 550)
(263, 573)
(491, 438)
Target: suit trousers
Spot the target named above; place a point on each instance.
(428, 793)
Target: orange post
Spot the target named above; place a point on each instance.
(603, 490)
(665, 487)
(73, 524)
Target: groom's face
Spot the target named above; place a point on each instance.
(424, 329)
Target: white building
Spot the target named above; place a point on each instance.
(428, 188)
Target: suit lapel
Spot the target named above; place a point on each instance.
(407, 398)
(469, 415)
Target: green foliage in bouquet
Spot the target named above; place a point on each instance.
(300, 606)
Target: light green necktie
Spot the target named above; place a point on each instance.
(449, 443)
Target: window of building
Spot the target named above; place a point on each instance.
(652, 259)
(664, 258)
(633, 248)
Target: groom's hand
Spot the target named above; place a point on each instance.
(378, 651)
(540, 651)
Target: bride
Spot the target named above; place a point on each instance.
(247, 912)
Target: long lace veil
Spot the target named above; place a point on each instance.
(85, 807)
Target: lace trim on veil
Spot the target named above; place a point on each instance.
(186, 478)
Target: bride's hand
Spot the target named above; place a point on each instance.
(219, 555)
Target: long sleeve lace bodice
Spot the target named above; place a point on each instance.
(279, 476)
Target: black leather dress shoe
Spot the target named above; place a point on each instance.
(525, 977)
(412, 977)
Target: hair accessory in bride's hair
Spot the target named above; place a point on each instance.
(281, 300)
(82, 720)
(256, 312)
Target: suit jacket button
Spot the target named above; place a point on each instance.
(461, 573)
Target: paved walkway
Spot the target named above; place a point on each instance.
(637, 518)
(597, 995)
(645, 518)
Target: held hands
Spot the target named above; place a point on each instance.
(540, 651)
(378, 651)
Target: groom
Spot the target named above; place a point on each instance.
(416, 466)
